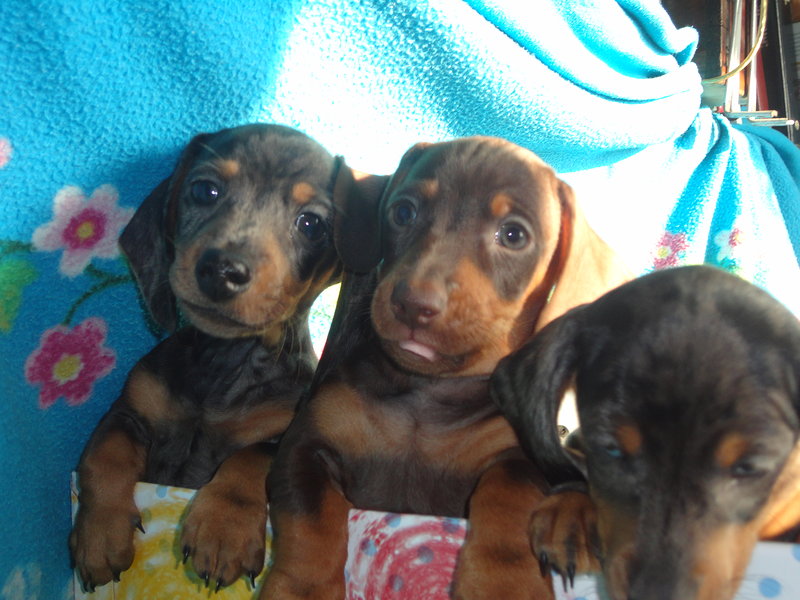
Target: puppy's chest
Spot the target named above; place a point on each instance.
(416, 451)
(221, 397)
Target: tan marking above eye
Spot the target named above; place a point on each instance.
(229, 167)
(731, 450)
(429, 187)
(501, 205)
(629, 438)
(302, 192)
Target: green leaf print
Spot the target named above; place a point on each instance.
(15, 275)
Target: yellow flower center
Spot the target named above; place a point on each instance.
(85, 230)
(67, 367)
(663, 251)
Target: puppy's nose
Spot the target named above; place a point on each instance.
(221, 276)
(416, 306)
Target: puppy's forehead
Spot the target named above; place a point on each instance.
(480, 167)
(268, 153)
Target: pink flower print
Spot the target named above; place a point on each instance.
(83, 228)
(68, 362)
(727, 241)
(669, 251)
(5, 151)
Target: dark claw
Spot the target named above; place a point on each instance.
(252, 576)
(219, 584)
(116, 576)
(187, 552)
(206, 577)
(544, 564)
(139, 526)
(571, 574)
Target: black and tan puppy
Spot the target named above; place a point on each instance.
(238, 239)
(688, 394)
(480, 245)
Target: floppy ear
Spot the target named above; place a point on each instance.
(356, 225)
(357, 197)
(589, 267)
(147, 245)
(147, 240)
(528, 386)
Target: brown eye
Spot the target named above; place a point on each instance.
(311, 225)
(205, 192)
(746, 469)
(403, 213)
(512, 236)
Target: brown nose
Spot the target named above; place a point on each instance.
(417, 305)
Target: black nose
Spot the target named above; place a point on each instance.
(416, 306)
(221, 276)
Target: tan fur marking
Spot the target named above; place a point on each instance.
(228, 167)
(782, 511)
(468, 450)
(302, 193)
(149, 397)
(629, 438)
(259, 424)
(226, 547)
(309, 551)
(341, 415)
(730, 450)
(110, 469)
(721, 558)
(616, 528)
(429, 187)
(496, 554)
(501, 205)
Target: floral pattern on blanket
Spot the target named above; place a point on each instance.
(68, 360)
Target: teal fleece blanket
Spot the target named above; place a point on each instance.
(97, 99)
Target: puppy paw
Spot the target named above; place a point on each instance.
(224, 534)
(101, 543)
(491, 570)
(563, 535)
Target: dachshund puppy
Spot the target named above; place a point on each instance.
(239, 239)
(480, 245)
(688, 395)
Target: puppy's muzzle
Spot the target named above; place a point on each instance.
(221, 276)
(417, 306)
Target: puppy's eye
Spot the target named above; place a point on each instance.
(311, 225)
(612, 451)
(205, 192)
(403, 213)
(512, 236)
(746, 469)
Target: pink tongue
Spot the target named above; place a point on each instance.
(419, 349)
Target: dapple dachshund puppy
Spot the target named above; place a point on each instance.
(239, 240)
(688, 395)
(480, 245)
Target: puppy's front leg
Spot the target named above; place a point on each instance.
(496, 560)
(309, 519)
(224, 527)
(101, 541)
